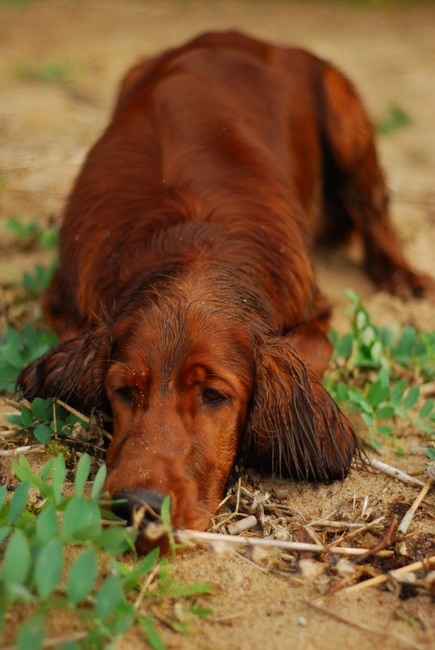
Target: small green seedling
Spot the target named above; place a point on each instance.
(34, 568)
(19, 349)
(380, 351)
(51, 71)
(34, 283)
(46, 419)
(33, 233)
(396, 119)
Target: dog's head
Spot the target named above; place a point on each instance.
(189, 387)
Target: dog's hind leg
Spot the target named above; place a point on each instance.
(354, 185)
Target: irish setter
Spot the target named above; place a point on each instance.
(185, 298)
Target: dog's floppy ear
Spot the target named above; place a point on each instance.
(73, 371)
(295, 428)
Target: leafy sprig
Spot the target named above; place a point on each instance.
(34, 567)
(18, 349)
(370, 358)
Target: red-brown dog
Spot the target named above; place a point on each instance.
(185, 297)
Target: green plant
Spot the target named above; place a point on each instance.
(368, 358)
(45, 419)
(20, 349)
(35, 283)
(396, 119)
(35, 540)
(51, 71)
(33, 232)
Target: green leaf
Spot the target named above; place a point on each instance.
(82, 520)
(427, 408)
(42, 409)
(125, 617)
(31, 634)
(376, 351)
(199, 611)
(13, 337)
(18, 502)
(24, 472)
(13, 356)
(3, 495)
(48, 568)
(164, 512)
(361, 320)
(190, 590)
(47, 469)
(360, 400)
(431, 453)
(384, 378)
(397, 391)
(396, 119)
(59, 476)
(14, 419)
(82, 474)
(114, 540)
(385, 431)
(19, 592)
(4, 532)
(368, 335)
(29, 336)
(82, 576)
(26, 417)
(411, 398)
(16, 563)
(353, 297)
(109, 597)
(385, 412)
(99, 482)
(407, 341)
(47, 525)
(344, 346)
(8, 374)
(343, 392)
(148, 563)
(42, 433)
(367, 419)
(153, 636)
(377, 393)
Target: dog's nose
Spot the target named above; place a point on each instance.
(133, 502)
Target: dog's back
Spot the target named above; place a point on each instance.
(201, 134)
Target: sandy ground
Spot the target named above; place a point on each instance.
(388, 49)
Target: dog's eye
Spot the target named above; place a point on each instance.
(211, 396)
(124, 392)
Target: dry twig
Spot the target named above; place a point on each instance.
(393, 471)
(186, 536)
(406, 521)
(383, 544)
(378, 580)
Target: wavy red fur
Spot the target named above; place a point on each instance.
(185, 296)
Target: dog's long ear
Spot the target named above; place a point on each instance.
(295, 428)
(73, 371)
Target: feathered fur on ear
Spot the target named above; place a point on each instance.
(73, 371)
(295, 428)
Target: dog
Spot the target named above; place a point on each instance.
(185, 299)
